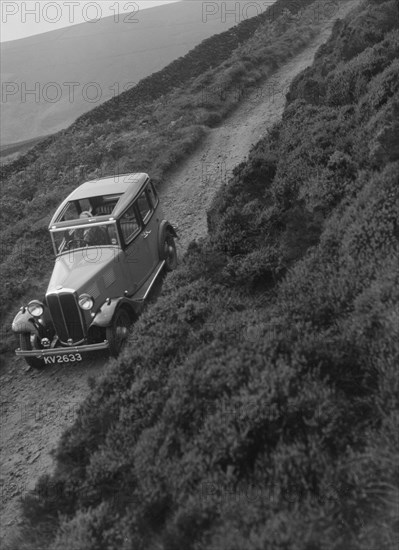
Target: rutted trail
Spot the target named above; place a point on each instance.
(37, 406)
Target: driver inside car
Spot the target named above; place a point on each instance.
(87, 236)
(78, 234)
(93, 236)
(90, 236)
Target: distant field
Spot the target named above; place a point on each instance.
(11, 151)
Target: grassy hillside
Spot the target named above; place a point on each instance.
(257, 404)
(163, 118)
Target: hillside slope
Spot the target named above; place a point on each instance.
(42, 403)
(257, 406)
(102, 59)
(51, 398)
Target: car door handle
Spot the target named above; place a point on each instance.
(146, 233)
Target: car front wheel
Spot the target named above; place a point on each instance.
(117, 333)
(170, 253)
(25, 344)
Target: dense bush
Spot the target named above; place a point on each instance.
(257, 403)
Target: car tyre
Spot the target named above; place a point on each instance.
(118, 331)
(26, 345)
(170, 253)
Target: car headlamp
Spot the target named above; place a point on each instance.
(35, 308)
(86, 302)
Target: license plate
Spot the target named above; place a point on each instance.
(65, 358)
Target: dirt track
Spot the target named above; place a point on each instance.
(37, 406)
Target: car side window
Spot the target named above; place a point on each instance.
(144, 206)
(129, 224)
(71, 213)
(152, 195)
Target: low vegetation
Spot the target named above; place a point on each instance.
(257, 404)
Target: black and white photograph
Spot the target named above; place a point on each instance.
(199, 285)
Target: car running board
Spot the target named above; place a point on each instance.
(144, 291)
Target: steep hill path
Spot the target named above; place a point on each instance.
(36, 407)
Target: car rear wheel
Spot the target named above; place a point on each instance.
(170, 253)
(117, 333)
(25, 343)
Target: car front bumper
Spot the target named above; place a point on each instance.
(41, 353)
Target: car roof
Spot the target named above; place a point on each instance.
(127, 185)
(109, 186)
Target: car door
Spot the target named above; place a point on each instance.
(138, 261)
(146, 205)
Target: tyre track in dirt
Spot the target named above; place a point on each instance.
(36, 406)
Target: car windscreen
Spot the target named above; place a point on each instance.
(84, 236)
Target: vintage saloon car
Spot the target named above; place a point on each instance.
(111, 242)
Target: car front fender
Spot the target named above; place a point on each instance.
(24, 322)
(165, 228)
(172, 229)
(105, 315)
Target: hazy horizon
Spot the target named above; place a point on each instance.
(30, 18)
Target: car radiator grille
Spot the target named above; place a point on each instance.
(66, 317)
